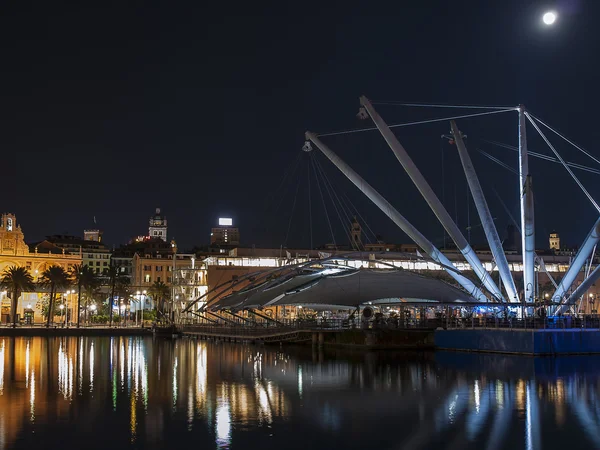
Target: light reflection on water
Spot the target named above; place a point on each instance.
(214, 395)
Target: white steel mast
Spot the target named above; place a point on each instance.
(527, 214)
(396, 217)
(432, 200)
(584, 252)
(484, 214)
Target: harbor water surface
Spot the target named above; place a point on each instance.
(132, 392)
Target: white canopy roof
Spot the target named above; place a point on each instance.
(345, 288)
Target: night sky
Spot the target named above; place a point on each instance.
(199, 108)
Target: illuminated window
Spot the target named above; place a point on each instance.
(147, 278)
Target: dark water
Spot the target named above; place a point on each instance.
(75, 393)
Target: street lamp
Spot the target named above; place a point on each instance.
(62, 309)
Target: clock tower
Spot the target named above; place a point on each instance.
(158, 226)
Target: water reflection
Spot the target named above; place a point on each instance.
(215, 395)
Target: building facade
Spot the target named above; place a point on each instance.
(554, 241)
(94, 253)
(225, 236)
(15, 252)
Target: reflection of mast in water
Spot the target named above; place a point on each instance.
(532, 418)
(583, 413)
(504, 405)
(477, 417)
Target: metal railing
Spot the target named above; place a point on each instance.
(525, 323)
(266, 328)
(288, 325)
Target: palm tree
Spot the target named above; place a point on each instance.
(115, 277)
(159, 292)
(55, 278)
(123, 290)
(86, 279)
(16, 280)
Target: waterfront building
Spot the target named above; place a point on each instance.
(93, 252)
(15, 252)
(225, 236)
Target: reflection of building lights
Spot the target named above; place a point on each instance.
(27, 366)
(2, 368)
(263, 402)
(520, 395)
(477, 395)
(190, 407)
(32, 397)
(133, 419)
(499, 394)
(80, 365)
(300, 381)
(223, 426)
(175, 382)
(65, 373)
(92, 367)
(201, 374)
(122, 363)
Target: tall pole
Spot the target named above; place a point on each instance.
(527, 215)
(174, 246)
(484, 214)
(113, 273)
(432, 200)
(397, 218)
(78, 297)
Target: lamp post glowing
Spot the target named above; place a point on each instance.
(123, 314)
(143, 306)
(62, 308)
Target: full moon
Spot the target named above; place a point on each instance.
(549, 18)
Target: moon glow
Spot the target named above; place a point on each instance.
(549, 18)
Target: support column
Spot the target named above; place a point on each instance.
(398, 218)
(484, 214)
(527, 215)
(580, 291)
(432, 200)
(585, 251)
